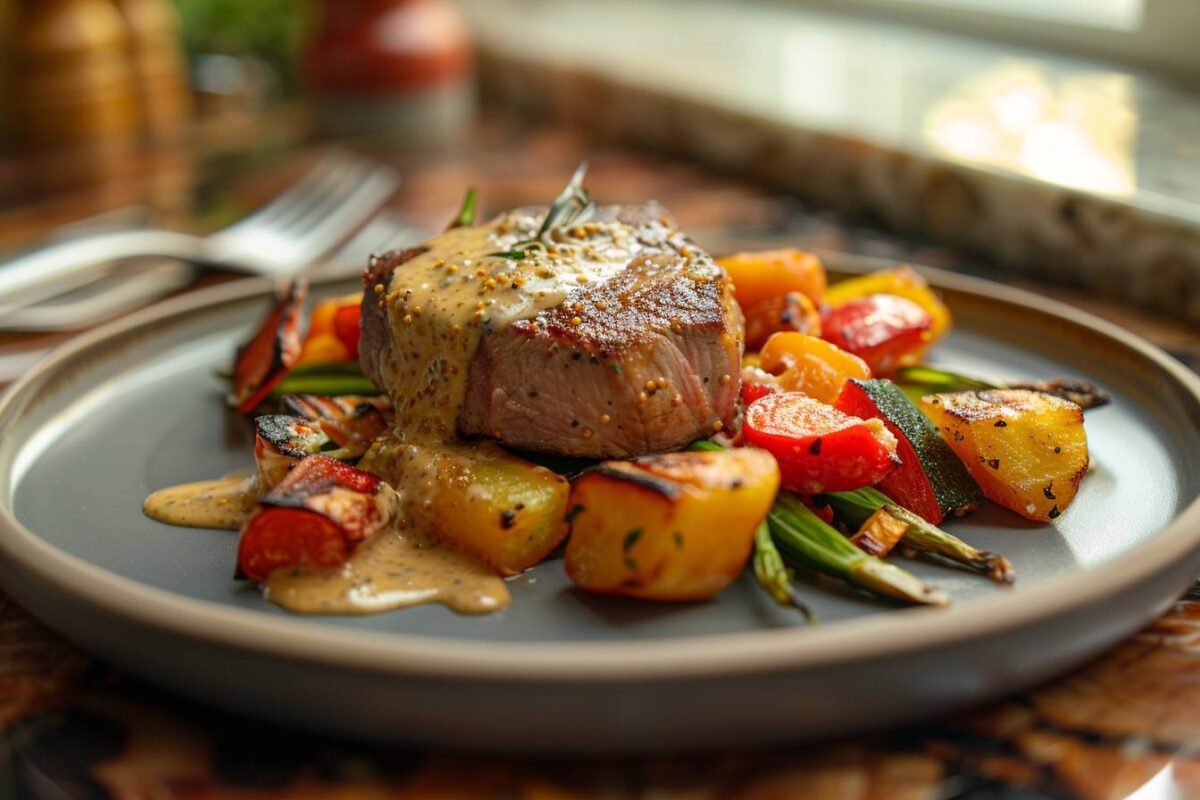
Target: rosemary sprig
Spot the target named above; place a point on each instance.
(573, 206)
(466, 214)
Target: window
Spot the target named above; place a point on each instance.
(1155, 34)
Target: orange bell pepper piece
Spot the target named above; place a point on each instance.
(323, 348)
(792, 311)
(804, 363)
(771, 274)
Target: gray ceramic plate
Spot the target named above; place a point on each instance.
(134, 407)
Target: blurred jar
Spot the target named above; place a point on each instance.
(396, 67)
(159, 69)
(73, 82)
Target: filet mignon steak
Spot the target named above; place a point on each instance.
(618, 337)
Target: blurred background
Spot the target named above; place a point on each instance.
(1055, 142)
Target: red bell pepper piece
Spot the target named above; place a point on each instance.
(753, 391)
(346, 327)
(757, 383)
(316, 516)
(886, 331)
(819, 449)
(262, 362)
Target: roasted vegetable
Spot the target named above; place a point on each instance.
(770, 570)
(922, 379)
(792, 311)
(930, 481)
(774, 575)
(316, 516)
(803, 363)
(322, 348)
(346, 326)
(855, 508)
(886, 331)
(280, 441)
(899, 281)
(678, 526)
(504, 510)
(756, 383)
(771, 274)
(329, 341)
(804, 537)
(805, 534)
(819, 449)
(350, 421)
(1027, 450)
(879, 534)
(272, 350)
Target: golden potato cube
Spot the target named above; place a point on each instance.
(1026, 450)
(678, 526)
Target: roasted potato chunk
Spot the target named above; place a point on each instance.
(504, 510)
(498, 507)
(678, 526)
(1027, 450)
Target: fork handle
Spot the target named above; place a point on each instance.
(51, 270)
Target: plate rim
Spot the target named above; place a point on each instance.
(689, 657)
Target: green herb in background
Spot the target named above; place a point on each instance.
(272, 29)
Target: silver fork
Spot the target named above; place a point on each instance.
(318, 212)
(106, 298)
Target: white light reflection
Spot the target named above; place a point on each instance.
(1161, 787)
(1077, 132)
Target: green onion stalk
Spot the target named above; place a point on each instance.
(328, 380)
(918, 381)
(854, 508)
(803, 536)
(773, 574)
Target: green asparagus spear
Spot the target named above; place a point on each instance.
(805, 537)
(855, 507)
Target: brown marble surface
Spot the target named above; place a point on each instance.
(1129, 723)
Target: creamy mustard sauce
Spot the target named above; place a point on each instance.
(392, 569)
(439, 305)
(225, 503)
